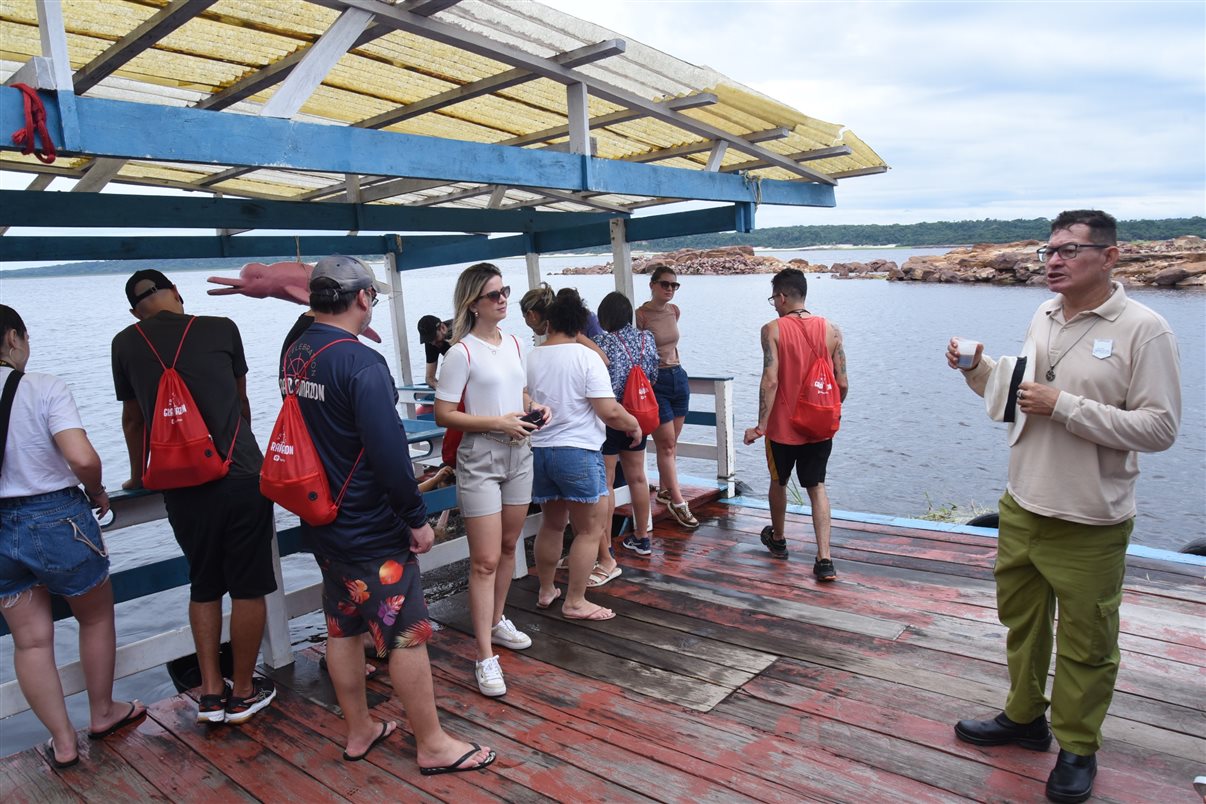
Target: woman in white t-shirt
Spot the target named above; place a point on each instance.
(50, 543)
(485, 371)
(570, 482)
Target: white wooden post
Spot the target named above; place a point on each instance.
(532, 259)
(397, 309)
(621, 258)
(726, 452)
(276, 646)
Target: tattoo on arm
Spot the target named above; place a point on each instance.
(766, 347)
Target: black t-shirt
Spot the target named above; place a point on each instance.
(436, 350)
(348, 400)
(210, 363)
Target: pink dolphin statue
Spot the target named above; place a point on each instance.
(289, 281)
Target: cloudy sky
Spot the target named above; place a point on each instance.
(982, 109)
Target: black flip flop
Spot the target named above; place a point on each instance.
(778, 549)
(48, 752)
(455, 767)
(129, 720)
(385, 732)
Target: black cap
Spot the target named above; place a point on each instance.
(429, 325)
(137, 287)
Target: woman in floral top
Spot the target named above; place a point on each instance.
(625, 345)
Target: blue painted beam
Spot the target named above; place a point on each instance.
(86, 210)
(653, 227)
(128, 130)
(23, 249)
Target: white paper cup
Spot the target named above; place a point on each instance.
(966, 348)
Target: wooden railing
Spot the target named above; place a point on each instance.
(139, 507)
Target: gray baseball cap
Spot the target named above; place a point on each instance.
(349, 273)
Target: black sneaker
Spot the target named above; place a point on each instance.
(212, 708)
(239, 710)
(823, 569)
(778, 548)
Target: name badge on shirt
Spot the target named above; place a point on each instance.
(1103, 348)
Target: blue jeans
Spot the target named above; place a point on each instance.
(568, 473)
(673, 393)
(50, 540)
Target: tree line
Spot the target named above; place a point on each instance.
(937, 233)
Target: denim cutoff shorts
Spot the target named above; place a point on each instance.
(50, 540)
(568, 473)
(672, 392)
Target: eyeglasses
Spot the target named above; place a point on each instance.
(772, 298)
(668, 285)
(495, 296)
(1067, 251)
(372, 292)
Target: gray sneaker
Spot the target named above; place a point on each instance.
(490, 678)
(507, 635)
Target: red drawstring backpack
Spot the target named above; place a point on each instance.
(182, 453)
(818, 412)
(638, 395)
(293, 476)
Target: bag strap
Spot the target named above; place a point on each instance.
(352, 471)
(819, 354)
(306, 367)
(155, 352)
(6, 408)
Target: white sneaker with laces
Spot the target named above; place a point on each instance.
(507, 635)
(490, 678)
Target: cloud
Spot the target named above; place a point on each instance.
(1009, 109)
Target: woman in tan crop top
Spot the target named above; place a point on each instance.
(660, 316)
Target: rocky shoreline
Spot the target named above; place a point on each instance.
(1180, 262)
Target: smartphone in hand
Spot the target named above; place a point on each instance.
(535, 417)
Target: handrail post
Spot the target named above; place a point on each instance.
(726, 452)
(276, 646)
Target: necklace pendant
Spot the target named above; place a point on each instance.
(1051, 374)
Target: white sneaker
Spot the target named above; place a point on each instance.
(507, 635)
(490, 678)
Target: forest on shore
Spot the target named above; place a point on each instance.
(936, 234)
(919, 235)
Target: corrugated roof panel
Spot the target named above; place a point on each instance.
(233, 39)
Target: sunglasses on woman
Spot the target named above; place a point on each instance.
(668, 285)
(495, 296)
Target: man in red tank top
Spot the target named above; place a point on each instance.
(790, 344)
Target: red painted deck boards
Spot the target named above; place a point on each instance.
(727, 676)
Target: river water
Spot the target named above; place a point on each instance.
(913, 436)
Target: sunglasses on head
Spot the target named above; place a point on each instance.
(495, 296)
(668, 285)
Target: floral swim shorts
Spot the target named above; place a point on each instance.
(383, 596)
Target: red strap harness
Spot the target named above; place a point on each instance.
(35, 127)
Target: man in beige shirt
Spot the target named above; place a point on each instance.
(1106, 385)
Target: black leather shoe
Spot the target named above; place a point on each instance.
(1071, 779)
(1001, 731)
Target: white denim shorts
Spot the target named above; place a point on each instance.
(491, 474)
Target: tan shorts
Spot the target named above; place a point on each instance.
(491, 474)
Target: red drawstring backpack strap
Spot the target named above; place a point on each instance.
(35, 127)
(293, 391)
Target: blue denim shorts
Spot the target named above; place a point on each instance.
(568, 473)
(50, 540)
(672, 392)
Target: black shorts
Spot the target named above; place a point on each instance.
(810, 461)
(383, 596)
(225, 531)
(617, 441)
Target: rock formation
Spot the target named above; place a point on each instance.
(1180, 262)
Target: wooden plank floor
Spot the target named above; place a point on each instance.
(727, 676)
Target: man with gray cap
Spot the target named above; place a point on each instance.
(224, 527)
(367, 555)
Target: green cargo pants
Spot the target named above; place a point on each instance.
(1042, 561)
